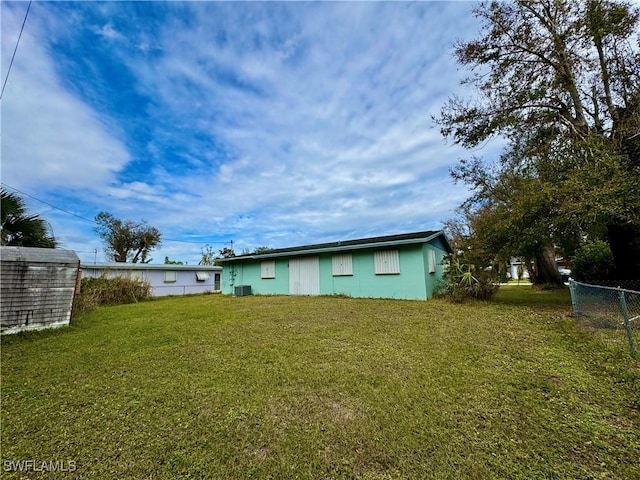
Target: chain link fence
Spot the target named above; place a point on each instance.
(612, 311)
(163, 290)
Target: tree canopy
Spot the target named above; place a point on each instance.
(226, 252)
(125, 240)
(20, 229)
(168, 261)
(560, 81)
(208, 255)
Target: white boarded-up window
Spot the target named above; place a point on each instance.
(268, 269)
(432, 261)
(387, 262)
(136, 275)
(170, 277)
(342, 264)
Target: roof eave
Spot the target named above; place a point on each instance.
(359, 246)
(147, 266)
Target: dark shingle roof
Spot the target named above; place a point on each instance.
(387, 240)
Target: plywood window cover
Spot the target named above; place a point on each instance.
(136, 275)
(342, 264)
(386, 262)
(170, 277)
(268, 269)
(432, 261)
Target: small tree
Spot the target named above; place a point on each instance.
(124, 240)
(520, 272)
(208, 255)
(465, 280)
(471, 271)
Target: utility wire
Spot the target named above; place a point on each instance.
(15, 49)
(95, 223)
(50, 204)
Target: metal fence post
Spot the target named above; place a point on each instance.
(627, 326)
(574, 298)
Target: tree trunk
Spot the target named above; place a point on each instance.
(624, 241)
(531, 270)
(546, 267)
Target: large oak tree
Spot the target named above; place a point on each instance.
(560, 81)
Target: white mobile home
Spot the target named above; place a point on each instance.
(164, 279)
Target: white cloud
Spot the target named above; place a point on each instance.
(312, 119)
(50, 137)
(107, 31)
(344, 124)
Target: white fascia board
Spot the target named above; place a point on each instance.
(146, 266)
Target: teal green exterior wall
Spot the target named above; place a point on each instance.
(409, 283)
(250, 272)
(413, 282)
(432, 279)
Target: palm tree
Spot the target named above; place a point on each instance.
(19, 229)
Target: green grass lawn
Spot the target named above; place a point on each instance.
(323, 387)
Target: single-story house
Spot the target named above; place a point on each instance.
(515, 265)
(165, 279)
(37, 287)
(395, 266)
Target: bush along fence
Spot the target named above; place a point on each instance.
(608, 308)
(99, 291)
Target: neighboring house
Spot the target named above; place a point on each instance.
(515, 265)
(164, 279)
(395, 266)
(37, 287)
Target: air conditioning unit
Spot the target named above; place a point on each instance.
(242, 290)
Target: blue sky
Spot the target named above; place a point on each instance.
(269, 124)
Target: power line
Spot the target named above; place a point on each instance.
(95, 223)
(50, 204)
(197, 243)
(15, 49)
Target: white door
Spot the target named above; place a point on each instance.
(304, 276)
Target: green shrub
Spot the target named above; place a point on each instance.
(95, 292)
(594, 261)
(465, 281)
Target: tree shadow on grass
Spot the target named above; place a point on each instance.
(535, 297)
